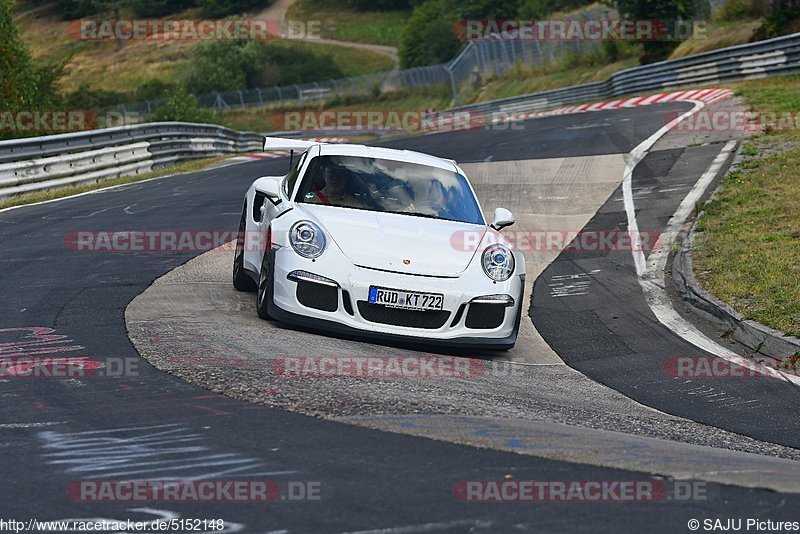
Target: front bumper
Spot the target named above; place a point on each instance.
(351, 314)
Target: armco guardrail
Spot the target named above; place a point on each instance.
(762, 59)
(50, 162)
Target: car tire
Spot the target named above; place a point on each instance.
(264, 292)
(241, 280)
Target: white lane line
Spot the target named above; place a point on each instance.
(651, 274)
(634, 157)
(29, 425)
(651, 278)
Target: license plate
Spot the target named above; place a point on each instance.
(409, 300)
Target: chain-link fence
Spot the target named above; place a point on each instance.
(300, 94)
(481, 59)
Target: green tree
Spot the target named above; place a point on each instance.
(24, 84)
(783, 18)
(663, 10)
(430, 35)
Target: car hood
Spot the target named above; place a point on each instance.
(399, 243)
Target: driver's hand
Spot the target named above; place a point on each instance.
(410, 208)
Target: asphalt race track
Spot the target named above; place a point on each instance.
(146, 423)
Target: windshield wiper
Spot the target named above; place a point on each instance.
(419, 214)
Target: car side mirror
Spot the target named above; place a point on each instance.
(502, 218)
(271, 188)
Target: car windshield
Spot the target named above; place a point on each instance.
(389, 186)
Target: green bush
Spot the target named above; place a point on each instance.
(217, 66)
(86, 98)
(233, 65)
(733, 10)
(429, 37)
(783, 18)
(159, 8)
(154, 89)
(540, 9)
(653, 51)
(75, 9)
(382, 5)
(487, 9)
(223, 8)
(181, 106)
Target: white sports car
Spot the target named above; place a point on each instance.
(382, 243)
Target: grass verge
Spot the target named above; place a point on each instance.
(346, 24)
(351, 61)
(719, 34)
(178, 168)
(747, 250)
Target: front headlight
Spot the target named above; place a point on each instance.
(307, 239)
(498, 262)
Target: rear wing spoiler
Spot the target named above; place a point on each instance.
(279, 143)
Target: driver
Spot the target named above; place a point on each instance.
(335, 191)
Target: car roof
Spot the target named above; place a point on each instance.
(386, 153)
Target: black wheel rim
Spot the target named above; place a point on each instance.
(263, 280)
(238, 256)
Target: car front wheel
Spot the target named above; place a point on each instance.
(264, 288)
(241, 280)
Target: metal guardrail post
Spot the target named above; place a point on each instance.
(453, 87)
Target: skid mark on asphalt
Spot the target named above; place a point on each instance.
(571, 285)
(167, 451)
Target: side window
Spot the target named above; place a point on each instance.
(291, 178)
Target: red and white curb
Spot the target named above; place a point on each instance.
(709, 96)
